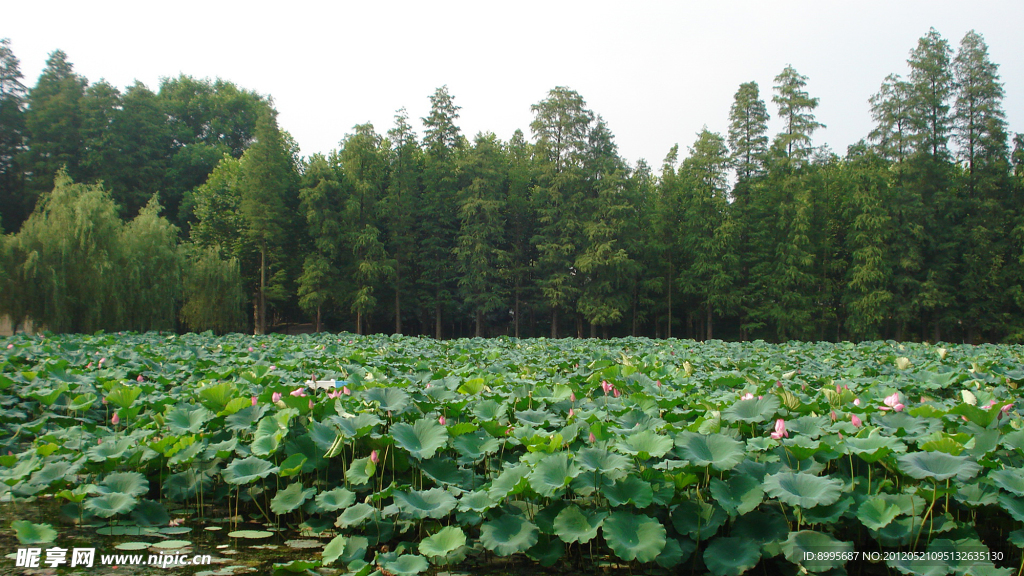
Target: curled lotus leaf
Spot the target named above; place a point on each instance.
(442, 543)
(29, 533)
(1009, 479)
(406, 565)
(738, 494)
(290, 498)
(108, 505)
(803, 490)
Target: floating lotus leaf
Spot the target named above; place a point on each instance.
(629, 490)
(731, 556)
(290, 498)
(184, 420)
(419, 504)
(574, 525)
(130, 546)
(634, 536)
(937, 465)
(243, 471)
(443, 543)
(603, 462)
(250, 534)
(335, 499)
(508, 534)
(171, 544)
(422, 439)
(645, 444)
(355, 515)
(175, 530)
(752, 410)
(716, 450)
(29, 533)
(108, 505)
(738, 494)
(798, 544)
(552, 474)
(698, 520)
(130, 483)
(803, 490)
(876, 513)
(406, 565)
(1009, 479)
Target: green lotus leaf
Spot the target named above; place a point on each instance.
(52, 472)
(761, 527)
(1009, 479)
(356, 426)
(512, 480)
(250, 534)
(217, 396)
(676, 552)
(473, 447)
(1016, 537)
(108, 505)
(716, 450)
(536, 418)
(355, 515)
(130, 483)
(294, 567)
(290, 498)
(798, 544)
(605, 463)
(634, 536)
(731, 556)
(171, 544)
(873, 447)
(334, 549)
(1013, 505)
(292, 465)
(803, 490)
(629, 490)
(130, 546)
(184, 420)
(361, 471)
(645, 444)
(752, 410)
(244, 418)
(552, 474)
(443, 543)
(391, 400)
(421, 439)
(802, 447)
(477, 501)
(82, 402)
(419, 504)
(110, 449)
(234, 405)
(335, 499)
(172, 529)
(575, 525)
(938, 465)
(977, 494)
(876, 513)
(150, 513)
(29, 533)
(124, 396)
(829, 514)
(445, 471)
(508, 534)
(243, 471)
(406, 565)
(698, 520)
(737, 495)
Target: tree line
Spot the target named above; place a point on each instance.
(190, 208)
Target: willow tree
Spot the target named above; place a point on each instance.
(150, 268)
(213, 297)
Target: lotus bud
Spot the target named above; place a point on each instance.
(592, 439)
(115, 419)
(606, 386)
(299, 392)
(780, 430)
(346, 391)
(250, 349)
(140, 378)
(658, 382)
(102, 360)
(275, 397)
(616, 392)
(833, 415)
(572, 396)
(104, 400)
(273, 367)
(9, 346)
(571, 412)
(310, 403)
(89, 365)
(759, 397)
(253, 400)
(856, 421)
(838, 388)
(1006, 409)
(373, 457)
(441, 420)
(856, 401)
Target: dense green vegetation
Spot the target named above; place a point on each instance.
(700, 458)
(913, 234)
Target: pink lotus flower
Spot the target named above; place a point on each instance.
(334, 394)
(856, 401)
(140, 378)
(892, 402)
(346, 391)
(606, 386)
(780, 430)
(616, 392)
(253, 400)
(102, 360)
(856, 421)
(373, 457)
(759, 397)
(1006, 409)
(89, 365)
(275, 397)
(441, 420)
(299, 392)
(115, 419)
(9, 346)
(592, 439)
(250, 348)
(273, 367)
(747, 396)
(176, 522)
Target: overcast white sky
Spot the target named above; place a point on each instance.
(657, 71)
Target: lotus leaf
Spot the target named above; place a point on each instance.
(130, 483)
(443, 543)
(243, 471)
(335, 499)
(150, 513)
(574, 525)
(716, 450)
(361, 471)
(29, 533)
(433, 503)
(290, 498)
(421, 439)
(752, 410)
(390, 399)
(187, 420)
(698, 520)
(552, 474)
(676, 552)
(355, 515)
(108, 505)
(508, 534)
(629, 490)
(737, 495)
(634, 536)
(250, 534)
(938, 465)
(406, 565)
(803, 490)
(731, 556)
(645, 444)
(798, 544)
(876, 513)
(603, 462)
(1009, 479)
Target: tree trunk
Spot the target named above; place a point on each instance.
(261, 317)
(604, 330)
(668, 286)
(516, 318)
(319, 326)
(554, 323)
(479, 323)
(398, 297)
(710, 332)
(359, 323)
(437, 318)
(593, 330)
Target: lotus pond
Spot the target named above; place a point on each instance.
(644, 456)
